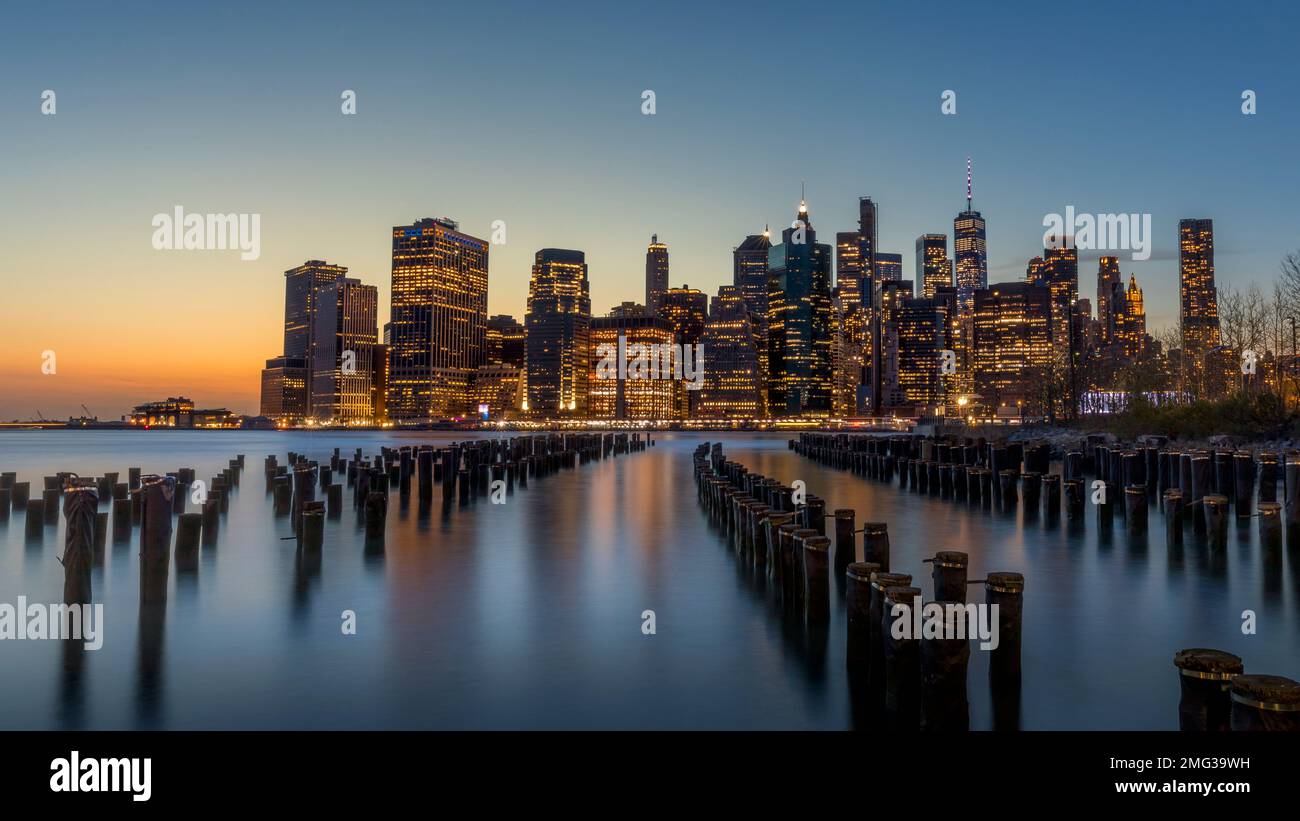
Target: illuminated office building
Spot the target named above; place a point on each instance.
(642, 392)
(345, 333)
(933, 268)
(799, 324)
(969, 249)
(506, 341)
(287, 379)
(848, 268)
(558, 324)
(1060, 273)
(1199, 308)
(732, 388)
(1011, 347)
(498, 391)
(889, 267)
(868, 246)
(888, 298)
(656, 272)
(686, 310)
(922, 337)
(1110, 292)
(438, 318)
(1131, 327)
(749, 278)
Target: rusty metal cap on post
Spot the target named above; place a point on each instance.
(1006, 582)
(862, 571)
(1275, 694)
(899, 593)
(951, 558)
(1202, 662)
(819, 543)
(844, 513)
(881, 581)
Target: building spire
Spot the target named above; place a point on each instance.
(969, 185)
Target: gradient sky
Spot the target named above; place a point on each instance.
(531, 113)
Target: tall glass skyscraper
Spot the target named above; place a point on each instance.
(656, 272)
(345, 334)
(970, 250)
(558, 324)
(1199, 309)
(749, 278)
(800, 332)
(933, 268)
(439, 320)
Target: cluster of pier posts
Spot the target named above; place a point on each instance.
(906, 682)
(1202, 489)
(465, 472)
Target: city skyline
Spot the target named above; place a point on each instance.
(131, 324)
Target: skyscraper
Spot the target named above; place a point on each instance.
(631, 394)
(439, 320)
(1011, 347)
(848, 268)
(868, 246)
(922, 335)
(1199, 309)
(970, 249)
(1131, 329)
(559, 334)
(731, 388)
(685, 309)
(799, 322)
(505, 341)
(933, 268)
(889, 267)
(345, 333)
(1110, 290)
(1060, 273)
(888, 299)
(287, 379)
(656, 272)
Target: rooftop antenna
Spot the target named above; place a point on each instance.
(969, 187)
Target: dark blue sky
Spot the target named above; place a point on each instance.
(530, 113)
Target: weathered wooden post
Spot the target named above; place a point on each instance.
(902, 657)
(1204, 681)
(79, 506)
(1262, 702)
(50, 506)
(845, 547)
(1215, 520)
(34, 526)
(21, 494)
(376, 515)
(1052, 495)
(875, 544)
(858, 605)
(283, 496)
(1006, 591)
(121, 520)
(949, 575)
(334, 499)
(944, 659)
(155, 536)
(1268, 477)
(1293, 493)
(1032, 485)
(211, 521)
(1074, 499)
(1270, 526)
(1244, 470)
(189, 528)
(1135, 508)
(1173, 517)
(816, 575)
(876, 612)
(312, 533)
(1007, 489)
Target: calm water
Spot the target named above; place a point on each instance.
(528, 614)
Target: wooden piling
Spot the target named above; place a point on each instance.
(1173, 506)
(1006, 590)
(155, 536)
(189, 529)
(876, 612)
(1244, 471)
(1135, 508)
(845, 543)
(858, 605)
(1215, 518)
(377, 514)
(79, 507)
(1263, 702)
(816, 579)
(1204, 681)
(121, 520)
(902, 660)
(949, 575)
(875, 544)
(944, 703)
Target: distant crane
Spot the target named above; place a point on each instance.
(89, 415)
